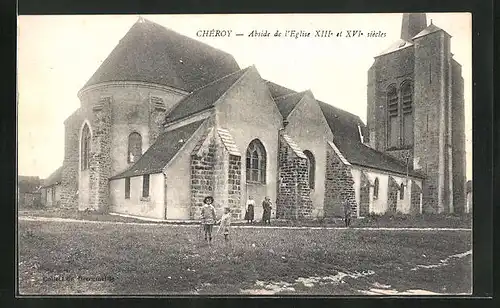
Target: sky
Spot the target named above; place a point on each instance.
(58, 54)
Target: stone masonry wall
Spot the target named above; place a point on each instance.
(100, 162)
(69, 181)
(234, 186)
(215, 172)
(157, 116)
(415, 199)
(221, 166)
(364, 196)
(339, 186)
(202, 173)
(293, 200)
(392, 197)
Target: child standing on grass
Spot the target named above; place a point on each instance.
(208, 217)
(225, 223)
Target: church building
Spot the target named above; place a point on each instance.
(167, 120)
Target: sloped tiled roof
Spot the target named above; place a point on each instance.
(278, 90)
(204, 97)
(54, 179)
(298, 151)
(161, 152)
(430, 29)
(342, 123)
(287, 103)
(154, 54)
(359, 154)
(397, 45)
(228, 141)
(339, 154)
(28, 184)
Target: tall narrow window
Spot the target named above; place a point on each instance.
(407, 113)
(375, 189)
(311, 168)
(145, 186)
(85, 147)
(392, 118)
(402, 192)
(256, 162)
(134, 147)
(127, 188)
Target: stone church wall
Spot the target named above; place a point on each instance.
(202, 175)
(69, 181)
(339, 186)
(312, 137)
(393, 68)
(293, 200)
(100, 162)
(458, 139)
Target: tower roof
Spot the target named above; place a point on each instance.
(398, 45)
(154, 54)
(430, 29)
(412, 24)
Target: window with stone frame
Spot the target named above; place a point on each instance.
(375, 189)
(145, 186)
(402, 192)
(85, 148)
(311, 168)
(134, 147)
(407, 114)
(127, 188)
(393, 131)
(256, 162)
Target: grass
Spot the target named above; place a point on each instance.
(143, 259)
(376, 221)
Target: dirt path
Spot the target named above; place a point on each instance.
(57, 219)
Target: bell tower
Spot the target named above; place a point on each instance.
(412, 24)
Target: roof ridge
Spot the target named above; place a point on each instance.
(196, 91)
(288, 95)
(218, 80)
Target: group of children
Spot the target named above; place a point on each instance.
(209, 218)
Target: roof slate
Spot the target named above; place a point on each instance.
(359, 154)
(203, 98)
(278, 90)
(161, 152)
(154, 54)
(430, 29)
(397, 45)
(54, 179)
(345, 127)
(288, 102)
(295, 148)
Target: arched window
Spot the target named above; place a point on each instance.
(311, 167)
(134, 147)
(407, 114)
(402, 192)
(256, 162)
(392, 117)
(375, 189)
(85, 148)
